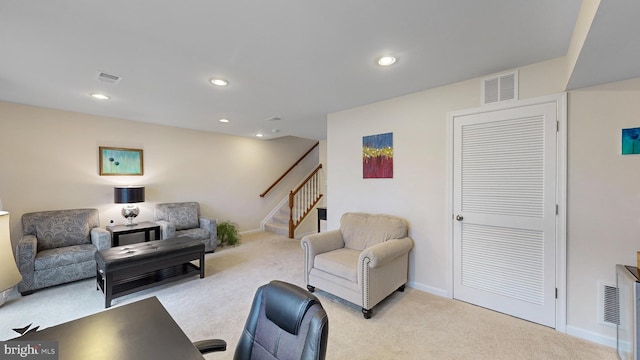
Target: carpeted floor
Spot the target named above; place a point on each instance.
(408, 325)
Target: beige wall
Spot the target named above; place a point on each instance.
(602, 215)
(418, 191)
(50, 161)
(603, 195)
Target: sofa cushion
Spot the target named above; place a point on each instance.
(197, 233)
(184, 215)
(63, 230)
(361, 231)
(53, 258)
(342, 263)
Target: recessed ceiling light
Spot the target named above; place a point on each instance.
(219, 82)
(386, 61)
(100, 96)
(259, 135)
(224, 120)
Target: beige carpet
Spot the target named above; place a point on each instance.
(409, 325)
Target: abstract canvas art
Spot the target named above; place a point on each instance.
(630, 141)
(377, 156)
(118, 161)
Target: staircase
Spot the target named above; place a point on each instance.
(279, 223)
(292, 210)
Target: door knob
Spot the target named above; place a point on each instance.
(459, 217)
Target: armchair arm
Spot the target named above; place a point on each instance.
(384, 252)
(315, 244)
(26, 251)
(167, 229)
(209, 224)
(101, 238)
(322, 242)
(25, 258)
(210, 345)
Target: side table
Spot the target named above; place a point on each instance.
(322, 215)
(145, 226)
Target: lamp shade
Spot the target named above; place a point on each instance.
(9, 274)
(128, 194)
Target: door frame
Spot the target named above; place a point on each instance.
(561, 193)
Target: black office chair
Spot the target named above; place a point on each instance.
(285, 321)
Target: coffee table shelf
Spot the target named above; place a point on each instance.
(152, 279)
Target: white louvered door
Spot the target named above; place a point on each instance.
(504, 202)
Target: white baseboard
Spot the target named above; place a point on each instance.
(250, 231)
(591, 336)
(428, 289)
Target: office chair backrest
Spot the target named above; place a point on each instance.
(285, 322)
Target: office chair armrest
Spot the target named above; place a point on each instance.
(210, 345)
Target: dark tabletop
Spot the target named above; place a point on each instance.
(138, 331)
(174, 247)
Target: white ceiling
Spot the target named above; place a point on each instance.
(296, 60)
(611, 52)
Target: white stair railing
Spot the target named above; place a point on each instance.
(303, 199)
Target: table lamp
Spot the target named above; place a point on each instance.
(9, 274)
(129, 195)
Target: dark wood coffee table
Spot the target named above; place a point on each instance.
(137, 331)
(126, 269)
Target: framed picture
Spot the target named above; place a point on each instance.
(630, 141)
(119, 161)
(377, 156)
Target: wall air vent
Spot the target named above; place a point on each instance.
(609, 304)
(500, 88)
(107, 78)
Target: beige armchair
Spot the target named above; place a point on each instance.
(363, 262)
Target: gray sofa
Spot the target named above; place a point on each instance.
(183, 219)
(59, 247)
(362, 262)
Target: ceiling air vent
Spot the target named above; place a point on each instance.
(500, 88)
(107, 78)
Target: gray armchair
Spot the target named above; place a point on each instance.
(183, 219)
(363, 262)
(59, 247)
